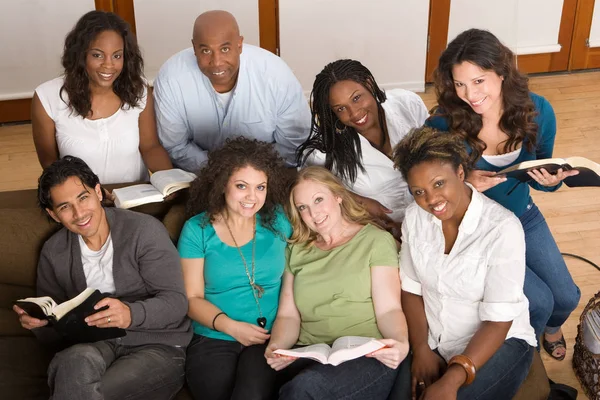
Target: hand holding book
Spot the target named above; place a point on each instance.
(115, 314)
(545, 178)
(392, 354)
(70, 318)
(28, 322)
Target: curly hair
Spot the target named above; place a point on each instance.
(130, 83)
(483, 49)
(207, 190)
(427, 144)
(58, 172)
(341, 150)
(351, 210)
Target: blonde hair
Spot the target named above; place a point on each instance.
(352, 211)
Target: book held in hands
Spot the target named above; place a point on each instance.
(68, 318)
(589, 171)
(162, 184)
(343, 349)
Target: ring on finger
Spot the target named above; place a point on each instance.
(108, 320)
(421, 383)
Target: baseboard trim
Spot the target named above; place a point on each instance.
(15, 110)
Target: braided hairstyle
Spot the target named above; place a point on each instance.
(428, 144)
(342, 150)
(129, 85)
(483, 49)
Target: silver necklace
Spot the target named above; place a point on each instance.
(257, 290)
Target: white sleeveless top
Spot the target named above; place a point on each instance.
(108, 145)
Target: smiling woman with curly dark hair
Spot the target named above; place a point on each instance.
(100, 109)
(233, 255)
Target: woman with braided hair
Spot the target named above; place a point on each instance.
(355, 125)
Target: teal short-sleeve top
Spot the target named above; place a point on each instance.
(225, 279)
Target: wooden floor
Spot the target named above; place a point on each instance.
(573, 214)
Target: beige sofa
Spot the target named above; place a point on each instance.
(23, 361)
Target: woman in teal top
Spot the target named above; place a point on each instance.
(342, 279)
(233, 255)
(485, 99)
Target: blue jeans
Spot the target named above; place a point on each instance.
(360, 379)
(549, 287)
(502, 375)
(109, 370)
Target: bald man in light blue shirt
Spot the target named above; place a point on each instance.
(214, 91)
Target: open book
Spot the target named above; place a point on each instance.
(589, 171)
(68, 318)
(162, 184)
(343, 349)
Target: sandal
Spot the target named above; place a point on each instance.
(551, 346)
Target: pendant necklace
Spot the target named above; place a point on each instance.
(257, 290)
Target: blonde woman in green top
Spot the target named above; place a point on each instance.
(341, 279)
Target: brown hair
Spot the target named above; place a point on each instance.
(427, 144)
(483, 49)
(207, 190)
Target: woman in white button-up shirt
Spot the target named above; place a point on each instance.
(462, 265)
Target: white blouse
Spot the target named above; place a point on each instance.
(110, 146)
(480, 280)
(404, 110)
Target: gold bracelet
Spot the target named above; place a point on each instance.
(467, 364)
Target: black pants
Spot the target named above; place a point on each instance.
(221, 370)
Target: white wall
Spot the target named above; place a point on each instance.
(165, 27)
(32, 36)
(388, 36)
(526, 26)
(595, 31)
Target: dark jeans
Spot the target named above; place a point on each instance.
(549, 287)
(222, 369)
(109, 370)
(363, 378)
(502, 375)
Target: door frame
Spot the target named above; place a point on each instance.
(582, 56)
(439, 19)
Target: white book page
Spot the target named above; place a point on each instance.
(136, 195)
(63, 308)
(46, 303)
(318, 352)
(171, 180)
(351, 347)
(583, 162)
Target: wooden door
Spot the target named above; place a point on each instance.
(585, 54)
(439, 16)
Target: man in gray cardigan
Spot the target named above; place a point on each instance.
(128, 255)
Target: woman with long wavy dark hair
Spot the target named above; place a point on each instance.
(232, 251)
(355, 125)
(100, 109)
(484, 98)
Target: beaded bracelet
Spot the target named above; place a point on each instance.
(215, 318)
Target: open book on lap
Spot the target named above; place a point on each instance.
(162, 184)
(589, 171)
(68, 318)
(343, 349)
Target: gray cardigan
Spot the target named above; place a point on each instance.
(146, 271)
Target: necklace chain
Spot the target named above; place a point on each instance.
(257, 290)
